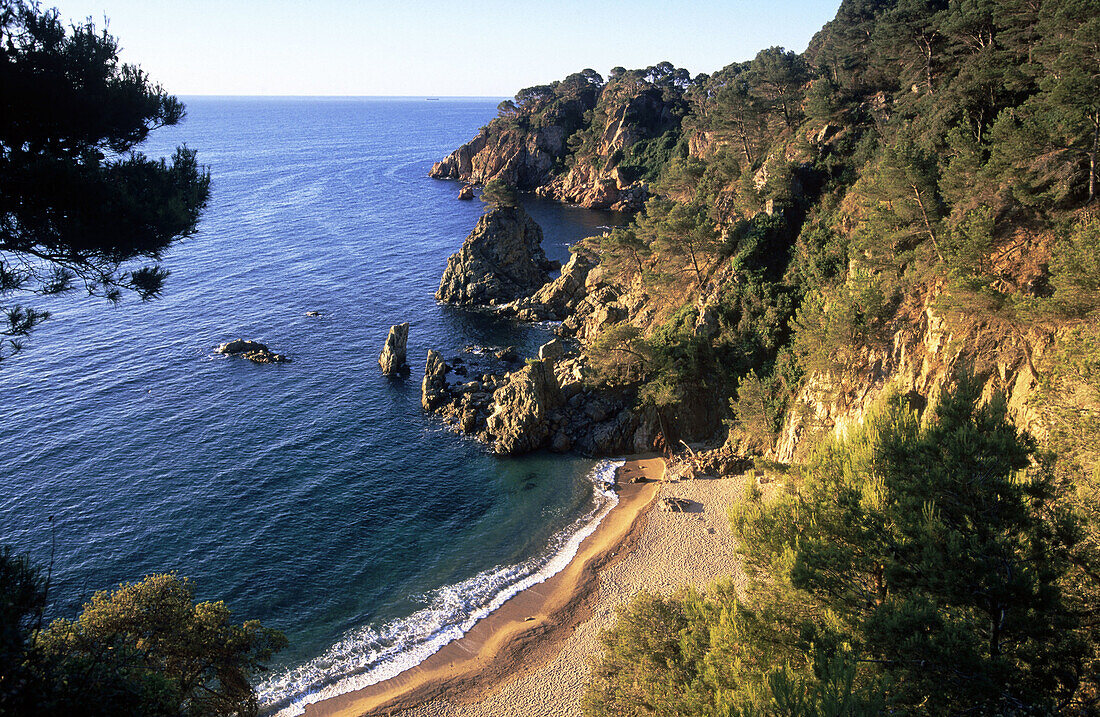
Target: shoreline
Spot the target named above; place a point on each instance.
(530, 624)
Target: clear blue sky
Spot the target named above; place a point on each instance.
(436, 48)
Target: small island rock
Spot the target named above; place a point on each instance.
(466, 193)
(434, 387)
(254, 351)
(392, 360)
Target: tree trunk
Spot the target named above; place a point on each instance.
(695, 265)
(927, 222)
(1092, 159)
(745, 146)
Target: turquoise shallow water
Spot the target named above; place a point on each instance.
(314, 495)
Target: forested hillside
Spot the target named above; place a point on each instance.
(905, 215)
(911, 197)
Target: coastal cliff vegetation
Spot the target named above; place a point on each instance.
(873, 264)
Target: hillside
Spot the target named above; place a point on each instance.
(911, 197)
(904, 211)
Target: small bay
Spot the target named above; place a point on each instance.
(315, 495)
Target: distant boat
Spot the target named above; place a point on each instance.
(432, 99)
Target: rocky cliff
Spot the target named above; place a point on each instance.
(500, 261)
(523, 158)
(925, 355)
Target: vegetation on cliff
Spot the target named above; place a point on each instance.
(909, 202)
(915, 567)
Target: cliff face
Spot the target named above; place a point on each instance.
(602, 176)
(925, 356)
(524, 159)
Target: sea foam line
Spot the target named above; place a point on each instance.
(366, 656)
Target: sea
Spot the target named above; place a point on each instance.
(316, 495)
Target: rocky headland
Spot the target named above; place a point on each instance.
(500, 261)
(581, 141)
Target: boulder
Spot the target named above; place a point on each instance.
(433, 390)
(393, 360)
(675, 505)
(520, 421)
(500, 261)
(466, 193)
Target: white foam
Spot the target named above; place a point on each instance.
(369, 655)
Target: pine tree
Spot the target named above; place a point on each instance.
(78, 206)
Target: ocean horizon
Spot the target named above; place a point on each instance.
(315, 496)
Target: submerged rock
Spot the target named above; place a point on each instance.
(393, 360)
(500, 261)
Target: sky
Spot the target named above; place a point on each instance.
(483, 48)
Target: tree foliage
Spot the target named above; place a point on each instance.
(911, 567)
(498, 193)
(78, 206)
(939, 555)
(145, 648)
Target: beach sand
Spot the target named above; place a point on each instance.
(531, 657)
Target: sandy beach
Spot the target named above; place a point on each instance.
(531, 657)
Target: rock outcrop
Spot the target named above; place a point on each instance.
(500, 261)
(552, 350)
(520, 421)
(466, 193)
(254, 351)
(433, 388)
(543, 404)
(557, 299)
(523, 159)
(392, 360)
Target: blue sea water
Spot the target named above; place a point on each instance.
(315, 495)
